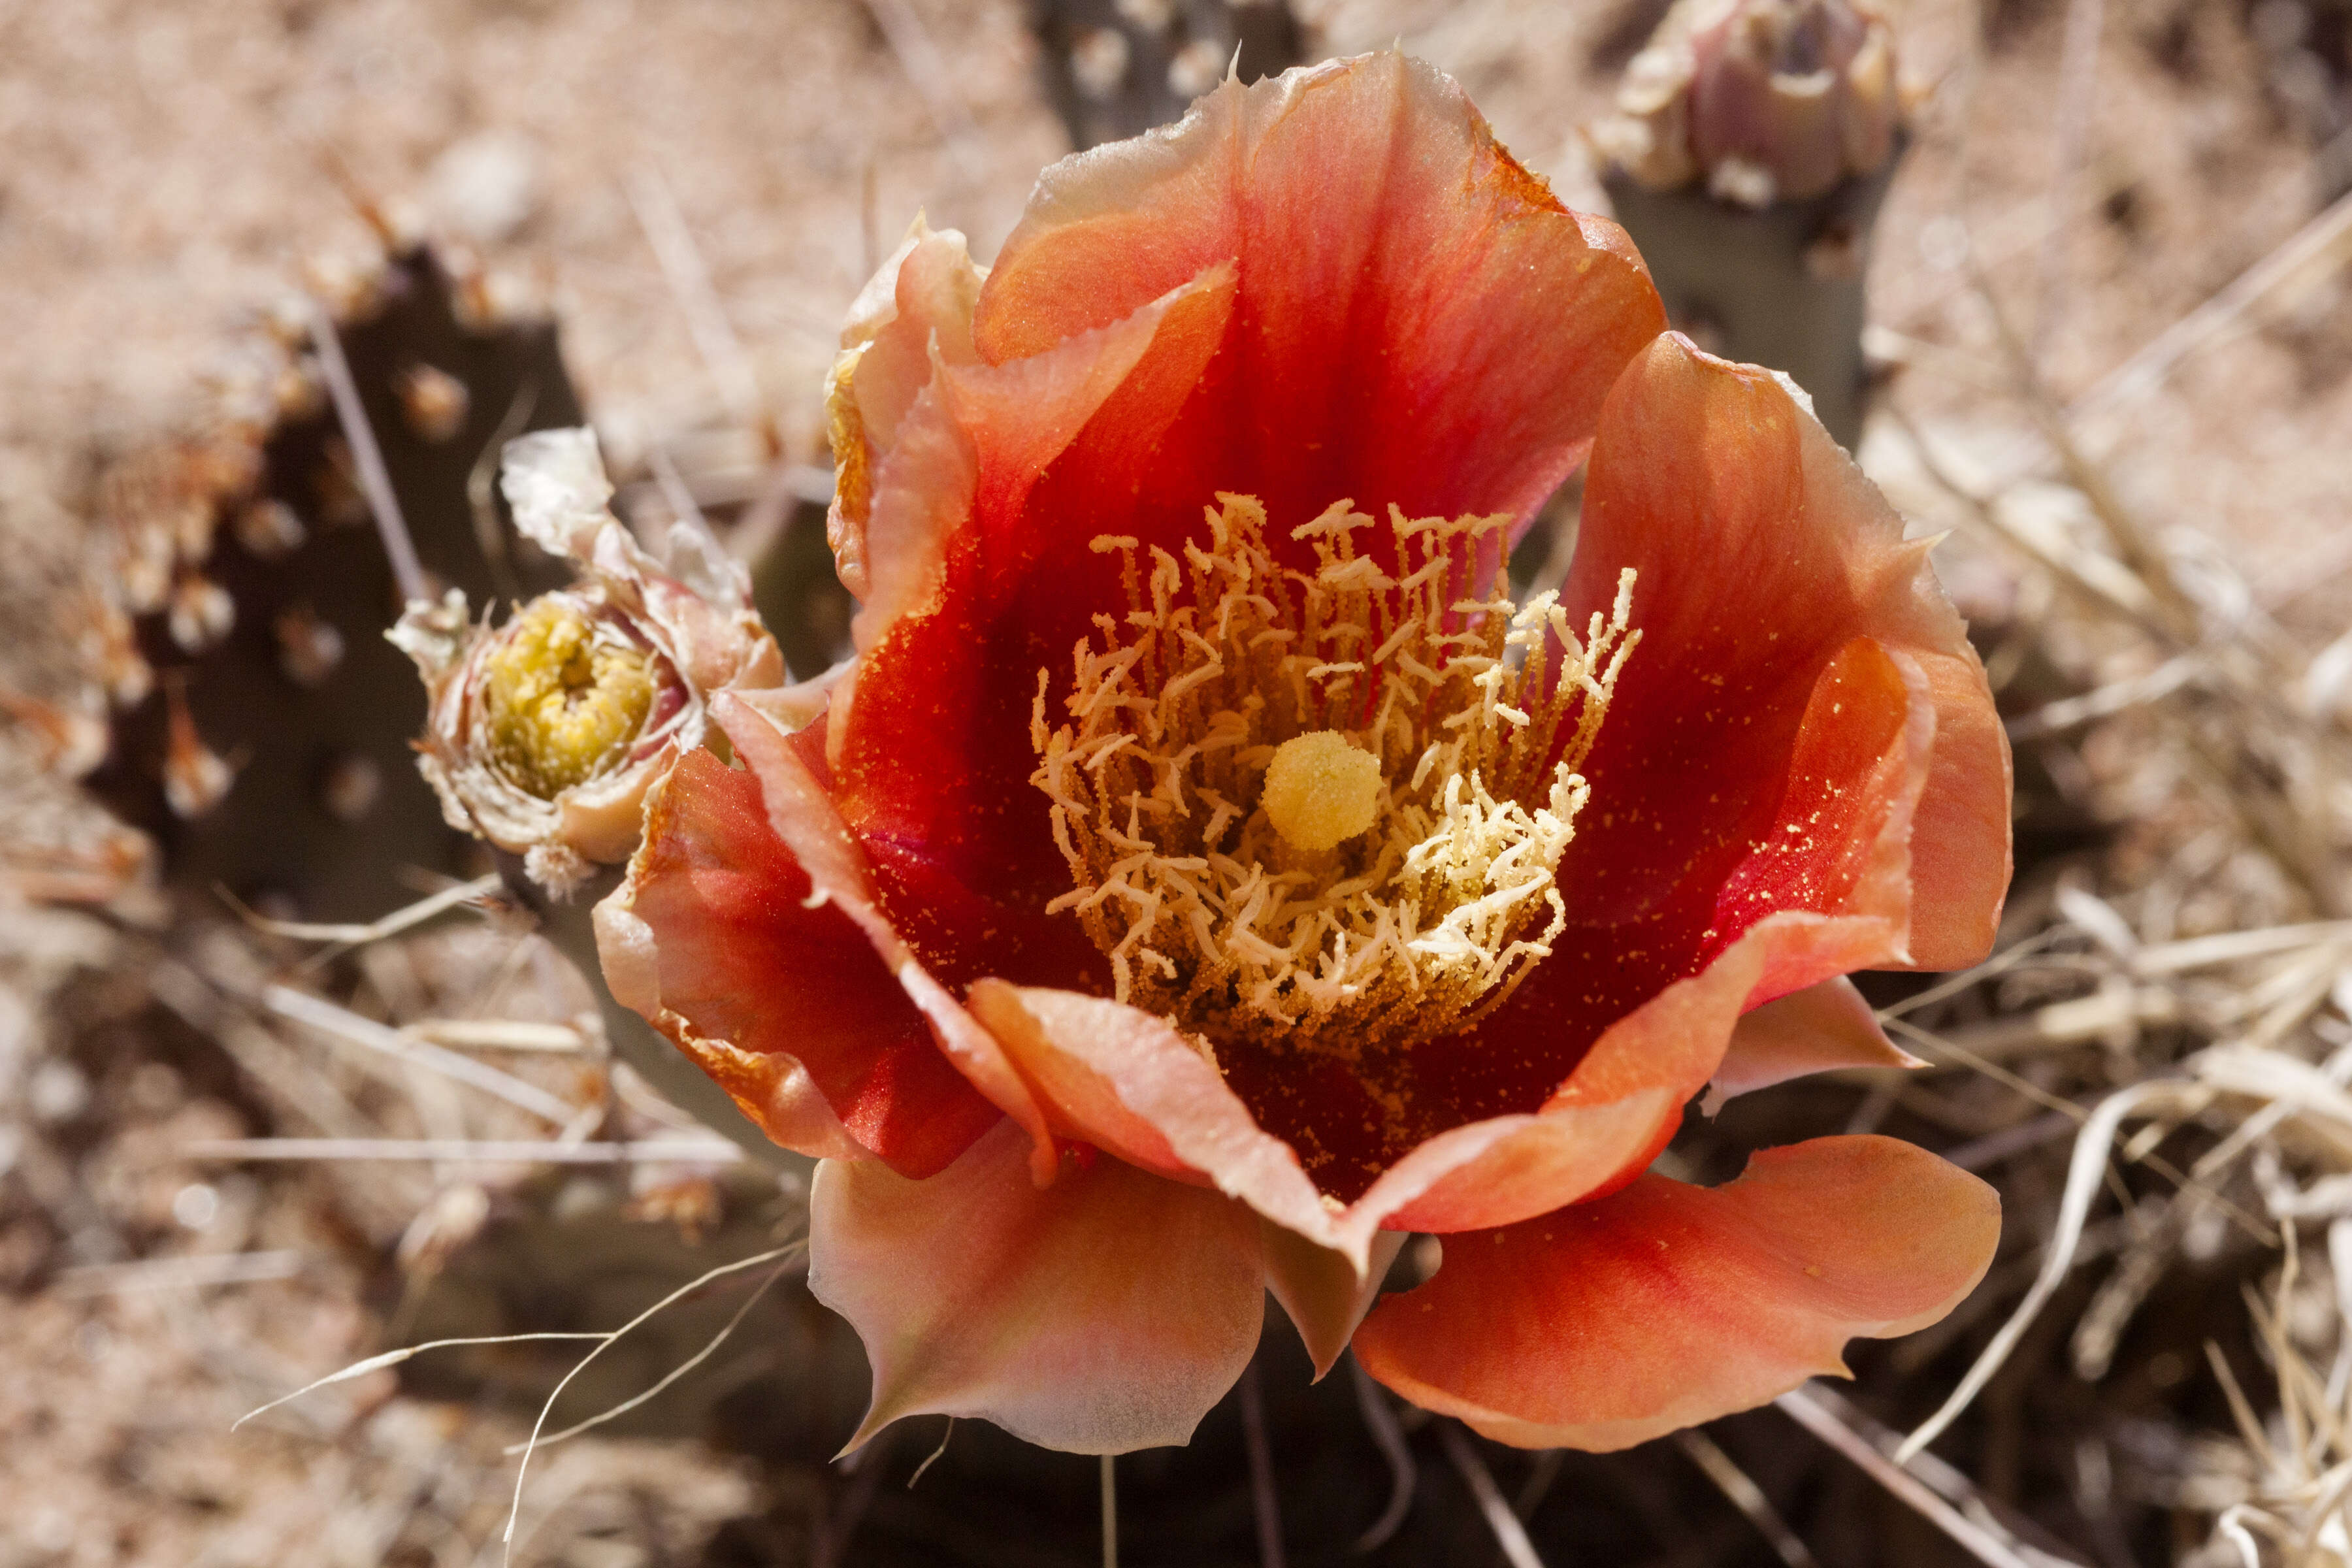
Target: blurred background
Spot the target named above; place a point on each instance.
(247, 1136)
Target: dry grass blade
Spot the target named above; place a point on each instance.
(490, 1151)
(184, 1273)
(682, 267)
(605, 1341)
(928, 70)
(393, 1358)
(2322, 245)
(1510, 1533)
(708, 1349)
(1983, 1537)
(1746, 1496)
(2077, 67)
(2083, 1175)
(933, 1456)
(498, 1035)
(1402, 1472)
(375, 480)
(345, 1025)
(1265, 1508)
(1110, 1487)
(2117, 696)
(343, 937)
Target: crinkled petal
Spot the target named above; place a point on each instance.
(1761, 551)
(976, 438)
(918, 301)
(715, 923)
(1961, 854)
(1420, 322)
(1105, 1313)
(1129, 1082)
(1126, 1080)
(1819, 1030)
(805, 820)
(1666, 1305)
(554, 481)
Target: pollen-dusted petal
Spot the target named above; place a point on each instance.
(1105, 1313)
(1320, 791)
(932, 744)
(1664, 1305)
(723, 904)
(804, 817)
(1126, 1081)
(1130, 1083)
(977, 436)
(1961, 849)
(1762, 552)
(1819, 1030)
(1578, 1079)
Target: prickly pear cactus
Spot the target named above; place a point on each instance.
(261, 725)
(1751, 148)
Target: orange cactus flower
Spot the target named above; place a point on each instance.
(1205, 875)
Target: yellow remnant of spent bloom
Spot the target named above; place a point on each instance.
(563, 697)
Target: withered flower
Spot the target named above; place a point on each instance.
(545, 733)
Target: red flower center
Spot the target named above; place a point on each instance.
(1324, 808)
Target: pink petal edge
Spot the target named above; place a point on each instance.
(1105, 1313)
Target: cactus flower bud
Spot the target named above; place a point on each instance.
(545, 733)
(1765, 100)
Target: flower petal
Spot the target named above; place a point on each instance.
(804, 817)
(714, 922)
(1666, 1305)
(1761, 551)
(1129, 1082)
(1105, 1313)
(1322, 1290)
(1961, 855)
(976, 438)
(923, 295)
(1420, 322)
(1818, 1029)
(1126, 1081)
(930, 745)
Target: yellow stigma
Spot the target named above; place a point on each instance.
(562, 694)
(1320, 792)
